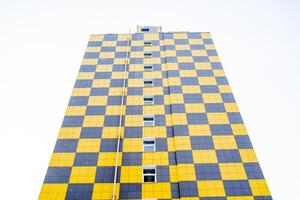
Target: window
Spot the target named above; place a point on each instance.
(148, 82)
(148, 68)
(148, 54)
(149, 120)
(149, 144)
(145, 29)
(149, 174)
(147, 43)
(148, 100)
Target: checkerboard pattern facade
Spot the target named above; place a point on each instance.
(202, 149)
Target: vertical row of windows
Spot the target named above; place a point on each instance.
(149, 172)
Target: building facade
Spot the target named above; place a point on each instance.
(152, 116)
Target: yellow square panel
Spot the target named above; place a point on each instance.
(109, 159)
(168, 42)
(81, 91)
(153, 91)
(224, 89)
(154, 109)
(217, 118)
(212, 98)
(207, 81)
(205, 156)
(231, 107)
(188, 89)
(202, 65)
(118, 75)
(105, 190)
(125, 37)
(195, 41)
(205, 35)
(122, 48)
(195, 108)
(111, 132)
(69, 133)
(199, 130)
(120, 61)
(170, 53)
(89, 61)
(83, 175)
(180, 36)
(107, 55)
(218, 72)
(199, 53)
(176, 99)
(153, 74)
(100, 83)
(182, 143)
(55, 191)
(213, 59)
(104, 68)
(151, 36)
(88, 145)
(238, 129)
(232, 171)
(134, 100)
(213, 188)
(132, 145)
(210, 47)
(171, 66)
(187, 73)
(97, 100)
(109, 43)
(136, 54)
(93, 49)
(75, 110)
(93, 121)
(62, 160)
(131, 174)
(184, 59)
(174, 81)
(179, 119)
(171, 144)
(137, 43)
(248, 155)
(155, 131)
(173, 173)
(259, 187)
(97, 37)
(85, 75)
(182, 47)
(134, 120)
(135, 68)
(156, 190)
(115, 91)
(186, 172)
(135, 83)
(224, 142)
(155, 158)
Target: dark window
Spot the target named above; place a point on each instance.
(149, 174)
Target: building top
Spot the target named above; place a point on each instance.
(148, 29)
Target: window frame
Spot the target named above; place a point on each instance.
(149, 167)
(148, 54)
(149, 116)
(148, 84)
(145, 29)
(154, 144)
(148, 43)
(149, 69)
(149, 103)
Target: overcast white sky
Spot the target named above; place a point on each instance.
(42, 44)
